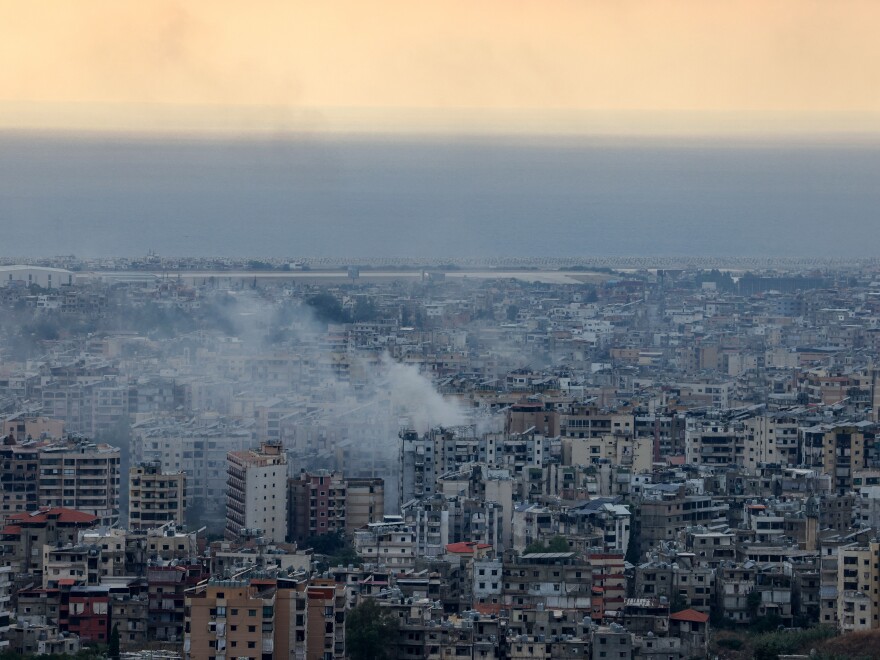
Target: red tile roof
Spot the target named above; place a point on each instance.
(488, 608)
(56, 513)
(689, 615)
(466, 547)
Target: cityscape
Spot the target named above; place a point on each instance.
(439, 330)
(278, 460)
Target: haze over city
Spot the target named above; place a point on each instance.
(400, 330)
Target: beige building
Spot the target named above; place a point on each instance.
(858, 604)
(22, 427)
(266, 618)
(155, 497)
(365, 503)
(714, 442)
(256, 493)
(843, 452)
(618, 449)
(392, 545)
(236, 619)
(770, 439)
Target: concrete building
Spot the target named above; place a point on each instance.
(26, 534)
(256, 492)
(24, 426)
(45, 278)
(266, 618)
(770, 438)
(81, 475)
(670, 511)
(365, 502)
(389, 544)
(199, 449)
(839, 449)
(858, 606)
(155, 497)
(714, 442)
(20, 469)
(317, 504)
(31, 639)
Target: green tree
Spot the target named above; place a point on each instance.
(753, 602)
(679, 602)
(326, 544)
(556, 544)
(370, 632)
(328, 309)
(113, 646)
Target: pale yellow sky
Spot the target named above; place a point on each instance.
(615, 65)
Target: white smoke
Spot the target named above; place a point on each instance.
(414, 396)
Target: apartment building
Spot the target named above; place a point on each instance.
(230, 617)
(670, 511)
(25, 426)
(155, 497)
(20, 469)
(557, 580)
(26, 534)
(316, 504)
(389, 544)
(714, 442)
(365, 502)
(771, 438)
(81, 475)
(858, 606)
(256, 492)
(197, 448)
(266, 618)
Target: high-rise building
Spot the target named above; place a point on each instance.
(19, 466)
(317, 504)
(155, 497)
(256, 492)
(322, 502)
(199, 449)
(82, 475)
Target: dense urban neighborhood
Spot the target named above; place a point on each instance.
(215, 460)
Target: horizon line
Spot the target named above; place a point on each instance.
(243, 121)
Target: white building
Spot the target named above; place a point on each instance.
(256, 492)
(47, 278)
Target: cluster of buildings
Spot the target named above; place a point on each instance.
(601, 465)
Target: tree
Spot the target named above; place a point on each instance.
(113, 646)
(370, 632)
(326, 544)
(679, 602)
(328, 309)
(556, 544)
(753, 602)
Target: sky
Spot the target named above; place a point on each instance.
(615, 66)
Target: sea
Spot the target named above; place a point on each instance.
(101, 195)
